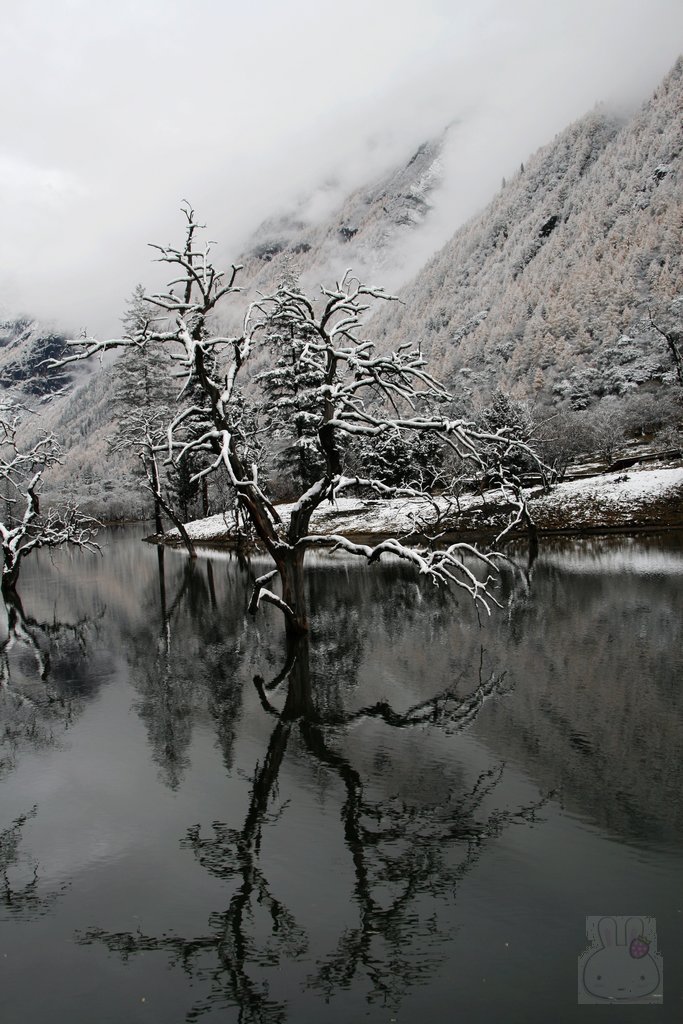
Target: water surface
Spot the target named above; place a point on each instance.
(425, 842)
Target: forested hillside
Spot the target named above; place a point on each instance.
(548, 292)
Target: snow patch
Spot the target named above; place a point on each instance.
(620, 491)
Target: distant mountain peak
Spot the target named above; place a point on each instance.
(25, 344)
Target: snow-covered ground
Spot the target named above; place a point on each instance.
(612, 499)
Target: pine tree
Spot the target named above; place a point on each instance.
(290, 406)
(144, 392)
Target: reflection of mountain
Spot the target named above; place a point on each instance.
(588, 713)
(595, 660)
(280, 845)
(591, 652)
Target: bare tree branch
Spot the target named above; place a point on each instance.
(326, 388)
(26, 526)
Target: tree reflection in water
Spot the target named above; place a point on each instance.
(403, 852)
(34, 702)
(34, 709)
(185, 661)
(22, 897)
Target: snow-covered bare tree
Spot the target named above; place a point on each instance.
(26, 526)
(352, 392)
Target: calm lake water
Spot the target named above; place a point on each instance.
(425, 844)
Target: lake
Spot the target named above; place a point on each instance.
(421, 836)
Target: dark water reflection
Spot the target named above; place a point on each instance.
(419, 826)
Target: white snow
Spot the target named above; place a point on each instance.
(620, 489)
(628, 490)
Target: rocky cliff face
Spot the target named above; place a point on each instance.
(24, 346)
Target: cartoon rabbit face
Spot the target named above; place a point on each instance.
(621, 971)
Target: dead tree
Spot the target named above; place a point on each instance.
(26, 526)
(355, 392)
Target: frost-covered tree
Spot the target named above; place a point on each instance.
(143, 395)
(669, 325)
(26, 526)
(355, 393)
(289, 387)
(398, 458)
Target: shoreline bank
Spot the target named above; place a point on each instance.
(633, 501)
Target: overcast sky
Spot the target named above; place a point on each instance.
(112, 112)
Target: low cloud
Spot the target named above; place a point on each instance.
(114, 113)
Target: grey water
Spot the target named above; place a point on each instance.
(423, 839)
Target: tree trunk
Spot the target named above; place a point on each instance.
(153, 481)
(299, 702)
(156, 490)
(10, 575)
(291, 569)
(673, 338)
(158, 522)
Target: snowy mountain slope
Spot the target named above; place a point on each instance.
(24, 345)
(547, 291)
(106, 485)
(75, 405)
(372, 230)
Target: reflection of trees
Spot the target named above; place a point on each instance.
(34, 705)
(187, 664)
(20, 893)
(33, 700)
(403, 852)
(598, 703)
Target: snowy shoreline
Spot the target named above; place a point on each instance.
(617, 501)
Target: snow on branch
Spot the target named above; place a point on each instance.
(26, 526)
(441, 566)
(311, 417)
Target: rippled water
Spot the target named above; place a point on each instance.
(423, 838)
